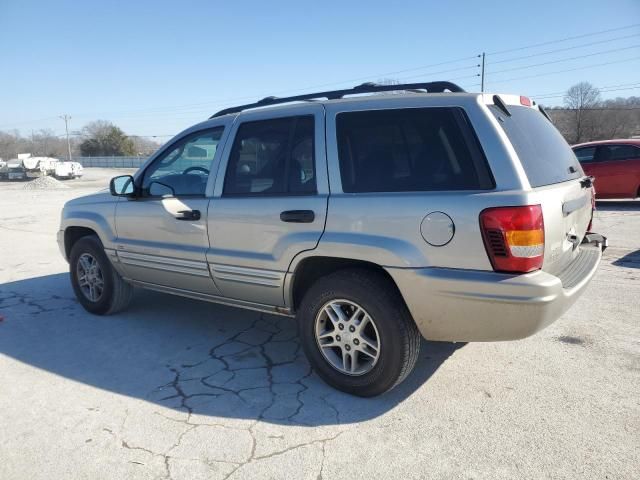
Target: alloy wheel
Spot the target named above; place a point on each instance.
(347, 337)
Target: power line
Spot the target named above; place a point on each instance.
(198, 107)
(568, 70)
(566, 59)
(566, 39)
(231, 101)
(444, 71)
(605, 91)
(505, 51)
(632, 86)
(600, 88)
(28, 121)
(564, 49)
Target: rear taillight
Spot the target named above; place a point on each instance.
(514, 237)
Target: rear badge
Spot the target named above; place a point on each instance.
(437, 229)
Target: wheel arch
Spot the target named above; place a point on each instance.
(312, 268)
(74, 233)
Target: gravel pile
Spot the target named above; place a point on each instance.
(44, 183)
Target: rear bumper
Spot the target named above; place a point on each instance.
(480, 306)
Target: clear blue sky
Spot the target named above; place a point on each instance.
(156, 67)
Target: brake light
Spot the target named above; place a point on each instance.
(514, 237)
(525, 101)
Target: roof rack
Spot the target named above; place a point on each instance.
(369, 87)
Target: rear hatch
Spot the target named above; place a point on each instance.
(557, 180)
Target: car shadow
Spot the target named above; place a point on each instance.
(187, 355)
(617, 205)
(630, 260)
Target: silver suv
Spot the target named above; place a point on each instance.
(373, 219)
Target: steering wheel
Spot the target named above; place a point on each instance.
(195, 169)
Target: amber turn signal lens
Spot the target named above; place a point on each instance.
(524, 238)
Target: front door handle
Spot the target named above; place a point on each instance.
(188, 215)
(298, 216)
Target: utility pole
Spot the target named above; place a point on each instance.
(482, 75)
(66, 119)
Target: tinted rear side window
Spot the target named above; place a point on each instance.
(272, 157)
(545, 155)
(412, 149)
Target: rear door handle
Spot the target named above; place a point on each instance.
(298, 216)
(188, 215)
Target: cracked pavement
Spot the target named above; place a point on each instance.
(180, 389)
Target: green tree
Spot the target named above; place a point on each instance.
(105, 139)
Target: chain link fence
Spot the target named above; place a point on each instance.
(111, 162)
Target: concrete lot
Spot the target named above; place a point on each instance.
(180, 389)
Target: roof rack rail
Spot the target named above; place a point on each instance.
(369, 87)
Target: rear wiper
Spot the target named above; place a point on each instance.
(586, 182)
(501, 105)
(544, 112)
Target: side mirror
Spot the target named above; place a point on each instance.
(122, 186)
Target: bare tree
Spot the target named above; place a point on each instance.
(581, 99)
(42, 143)
(614, 118)
(143, 146)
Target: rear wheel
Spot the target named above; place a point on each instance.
(357, 332)
(98, 287)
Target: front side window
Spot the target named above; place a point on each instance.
(272, 157)
(618, 152)
(183, 169)
(586, 154)
(412, 149)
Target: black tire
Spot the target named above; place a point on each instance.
(116, 293)
(399, 336)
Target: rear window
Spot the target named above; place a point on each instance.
(412, 149)
(545, 155)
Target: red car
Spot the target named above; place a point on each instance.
(615, 164)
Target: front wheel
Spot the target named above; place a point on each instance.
(98, 287)
(357, 332)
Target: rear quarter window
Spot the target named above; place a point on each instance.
(411, 149)
(543, 152)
